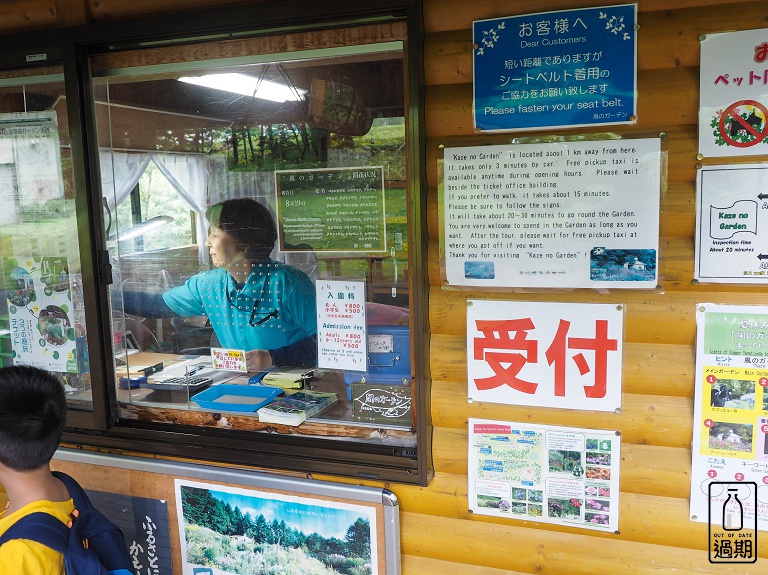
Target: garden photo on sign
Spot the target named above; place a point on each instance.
(226, 530)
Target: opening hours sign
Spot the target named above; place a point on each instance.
(545, 354)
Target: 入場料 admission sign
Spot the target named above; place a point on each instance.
(556, 69)
(734, 94)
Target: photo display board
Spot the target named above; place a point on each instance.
(237, 522)
(570, 214)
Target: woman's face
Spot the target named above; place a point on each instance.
(223, 248)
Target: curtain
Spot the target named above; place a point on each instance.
(120, 172)
(188, 174)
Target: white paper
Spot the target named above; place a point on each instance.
(562, 475)
(732, 224)
(733, 95)
(555, 215)
(544, 354)
(341, 337)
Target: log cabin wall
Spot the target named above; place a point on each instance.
(438, 534)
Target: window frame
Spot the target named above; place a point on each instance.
(74, 48)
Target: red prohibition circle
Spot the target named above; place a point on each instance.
(731, 111)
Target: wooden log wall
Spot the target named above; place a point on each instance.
(656, 535)
(438, 534)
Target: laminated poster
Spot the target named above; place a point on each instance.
(545, 354)
(730, 433)
(562, 475)
(40, 311)
(344, 536)
(732, 224)
(733, 109)
(341, 341)
(555, 215)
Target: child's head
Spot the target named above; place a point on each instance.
(33, 412)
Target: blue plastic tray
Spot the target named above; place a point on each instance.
(228, 397)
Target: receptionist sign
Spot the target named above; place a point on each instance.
(556, 69)
(557, 215)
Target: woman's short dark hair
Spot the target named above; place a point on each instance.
(248, 222)
(33, 412)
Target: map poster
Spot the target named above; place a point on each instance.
(562, 475)
(331, 210)
(733, 88)
(40, 312)
(556, 69)
(545, 354)
(576, 214)
(341, 331)
(732, 224)
(730, 432)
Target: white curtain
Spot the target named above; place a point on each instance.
(120, 172)
(188, 174)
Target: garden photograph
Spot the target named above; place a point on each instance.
(240, 532)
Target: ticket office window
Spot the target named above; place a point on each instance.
(42, 307)
(248, 202)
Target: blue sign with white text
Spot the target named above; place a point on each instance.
(556, 69)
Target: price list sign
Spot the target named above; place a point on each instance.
(341, 337)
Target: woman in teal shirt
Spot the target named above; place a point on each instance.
(264, 307)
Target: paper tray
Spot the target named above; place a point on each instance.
(229, 397)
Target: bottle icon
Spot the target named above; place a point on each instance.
(733, 512)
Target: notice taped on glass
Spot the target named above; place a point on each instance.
(563, 214)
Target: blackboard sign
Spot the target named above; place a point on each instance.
(331, 210)
(384, 403)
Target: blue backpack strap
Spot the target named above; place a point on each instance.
(40, 527)
(108, 542)
(76, 492)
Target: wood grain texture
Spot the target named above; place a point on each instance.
(438, 534)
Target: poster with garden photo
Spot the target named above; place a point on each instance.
(40, 312)
(730, 410)
(227, 530)
(543, 473)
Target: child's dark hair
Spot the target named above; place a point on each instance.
(249, 223)
(33, 412)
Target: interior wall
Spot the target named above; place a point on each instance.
(438, 534)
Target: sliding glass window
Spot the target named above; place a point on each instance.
(256, 215)
(42, 317)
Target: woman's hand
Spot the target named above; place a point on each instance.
(257, 360)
